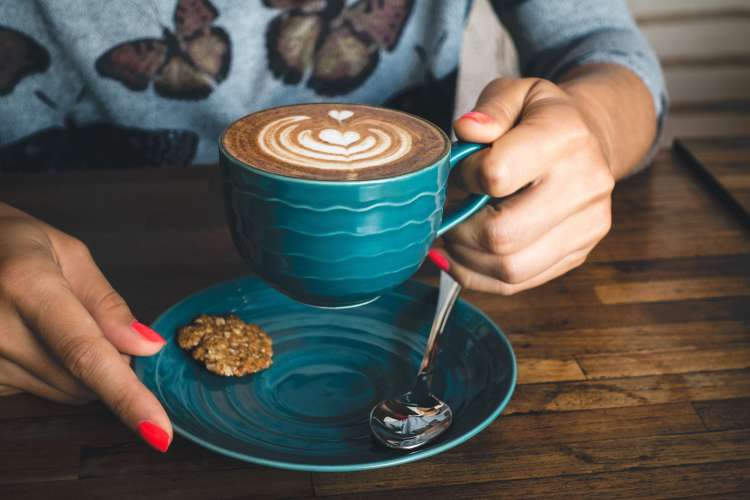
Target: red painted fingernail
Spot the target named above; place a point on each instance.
(478, 117)
(146, 332)
(439, 259)
(154, 435)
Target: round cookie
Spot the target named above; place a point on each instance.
(226, 345)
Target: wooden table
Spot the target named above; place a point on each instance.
(634, 369)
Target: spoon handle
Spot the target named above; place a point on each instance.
(449, 290)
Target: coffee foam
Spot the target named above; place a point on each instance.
(335, 142)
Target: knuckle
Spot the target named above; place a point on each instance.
(501, 111)
(75, 248)
(508, 270)
(578, 259)
(499, 234)
(13, 271)
(110, 301)
(605, 222)
(22, 280)
(494, 176)
(601, 180)
(607, 181)
(495, 87)
(81, 357)
(541, 86)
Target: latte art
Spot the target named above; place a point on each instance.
(352, 144)
(331, 142)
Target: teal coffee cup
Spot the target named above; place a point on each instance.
(340, 239)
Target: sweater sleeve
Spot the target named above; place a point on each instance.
(553, 36)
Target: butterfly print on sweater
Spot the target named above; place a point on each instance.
(20, 56)
(186, 64)
(336, 47)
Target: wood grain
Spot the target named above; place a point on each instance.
(179, 486)
(26, 405)
(634, 364)
(648, 337)
(30, 464)
(727, 168)
(725, 479)
(668, 244)
(634, 379)
(521, 430)
(724, 414)
(547, 461)
(130, 458)
(535, 318)
(635, 391)
(533, 370)
(657, 291)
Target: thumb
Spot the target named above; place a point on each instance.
(105, 305)
(496, 111)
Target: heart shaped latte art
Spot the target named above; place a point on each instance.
(361, 142)
(340, 114)
(337, 137)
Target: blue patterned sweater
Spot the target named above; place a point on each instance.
(86, 83)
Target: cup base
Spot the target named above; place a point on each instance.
(342, 306)
(318, 301)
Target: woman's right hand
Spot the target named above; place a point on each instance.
(65, 334)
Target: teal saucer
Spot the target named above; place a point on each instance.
(309, 411)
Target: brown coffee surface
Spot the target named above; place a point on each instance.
(335, 142)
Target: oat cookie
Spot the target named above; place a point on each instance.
(227, 345)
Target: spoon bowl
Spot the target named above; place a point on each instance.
(407, 424)
(417, 417)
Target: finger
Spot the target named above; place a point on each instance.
(473, 280)
(6, 390)
(19, 345)
(497, 109)
(105, 305)
(516, 222)
(21, 379)
(580, 231)
(79, 343)
(548, 130)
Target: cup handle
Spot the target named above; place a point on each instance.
(472, 204)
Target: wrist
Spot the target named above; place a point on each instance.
(596, 116)
(619, 109)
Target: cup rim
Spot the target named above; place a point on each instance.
(256, 170)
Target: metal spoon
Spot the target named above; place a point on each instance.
(417, 417)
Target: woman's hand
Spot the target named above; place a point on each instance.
(550, 168)
(65, 334)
